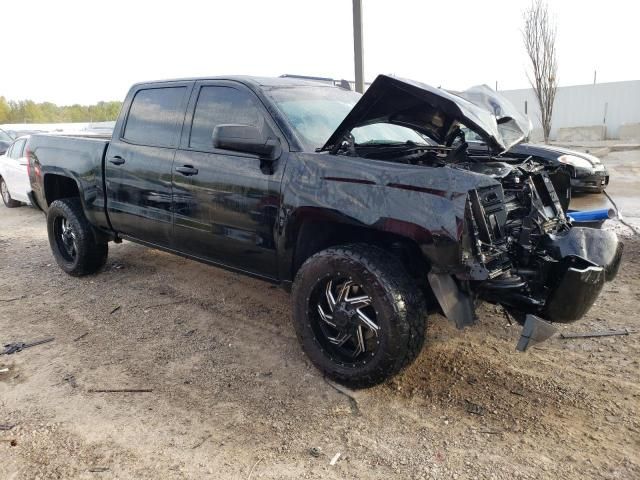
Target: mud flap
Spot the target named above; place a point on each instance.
(456, 305)
(535, 330)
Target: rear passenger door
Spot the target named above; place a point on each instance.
(225, 202)
(138, 164)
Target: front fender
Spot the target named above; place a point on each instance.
(423, 204)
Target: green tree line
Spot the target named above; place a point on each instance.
(28, 111)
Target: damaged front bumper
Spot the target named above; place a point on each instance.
(567, 279)
(589, 257)
(528, 259)
(577, 285)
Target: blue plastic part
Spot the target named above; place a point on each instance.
(591, 215)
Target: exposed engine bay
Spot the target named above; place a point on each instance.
(518, 247)
(491, 227)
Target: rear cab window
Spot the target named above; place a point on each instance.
(155, 117)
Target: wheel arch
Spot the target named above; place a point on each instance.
(58, 186)
(314, 233)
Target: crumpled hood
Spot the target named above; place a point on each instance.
(435, 113)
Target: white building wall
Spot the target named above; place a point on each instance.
(609, 104)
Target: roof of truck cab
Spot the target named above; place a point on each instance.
(246, 79)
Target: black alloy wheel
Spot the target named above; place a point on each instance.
(358, 314)
(72, 239)
(344, 320)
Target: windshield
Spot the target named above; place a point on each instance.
(315, 113)
(471, 136)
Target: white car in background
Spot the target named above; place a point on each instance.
(14, 177)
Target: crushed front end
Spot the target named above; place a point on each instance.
(492, 227)
(521, 251)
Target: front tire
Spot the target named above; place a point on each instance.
(72, 239)
(358, 315)
(6, 196)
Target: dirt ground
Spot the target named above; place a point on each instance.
(233, 396)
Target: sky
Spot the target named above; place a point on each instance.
(68, 51)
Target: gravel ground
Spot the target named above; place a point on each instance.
(234, 397)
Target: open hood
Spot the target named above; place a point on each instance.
(436, 113)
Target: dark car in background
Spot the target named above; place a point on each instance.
(588, 174)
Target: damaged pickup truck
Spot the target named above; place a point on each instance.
(370, 208)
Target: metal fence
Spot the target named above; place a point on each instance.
(609, 104)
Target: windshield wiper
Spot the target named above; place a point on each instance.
(388, 143)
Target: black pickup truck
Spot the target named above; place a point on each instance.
(343, 198)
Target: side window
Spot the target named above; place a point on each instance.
(16, 150)
(154, 117)
(220, 105)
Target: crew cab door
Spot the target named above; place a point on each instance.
(225, 202)
(139, 159)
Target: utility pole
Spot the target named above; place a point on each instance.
(357, 45)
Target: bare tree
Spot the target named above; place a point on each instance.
(539, 37)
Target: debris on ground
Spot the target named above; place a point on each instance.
(253, 468)
(71, 380)
(474, 408)
(335, 459)
(121, 390)
(12, 299)
(350, 394)
(315, 451)
(201, 442)
(609, 333)
(16, 347)
(77, 339)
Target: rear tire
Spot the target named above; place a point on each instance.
(364, 346)
(6, 196)
(72, 239)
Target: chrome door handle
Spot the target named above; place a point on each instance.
(187, 170)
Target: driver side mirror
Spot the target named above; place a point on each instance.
(246, 139)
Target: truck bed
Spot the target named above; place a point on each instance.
(77, 157)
